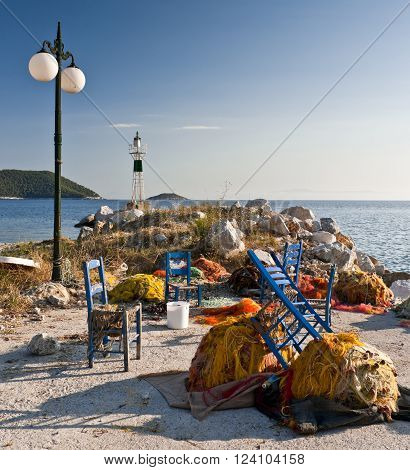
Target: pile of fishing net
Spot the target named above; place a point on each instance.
(213, 271)
(105, 317)
(230, 351)
(213, 316)
(138, 287)
(313, 287)
(195, 273)
(358, 287)
(340, 367)
(244, 278)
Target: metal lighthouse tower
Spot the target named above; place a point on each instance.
(137, 152)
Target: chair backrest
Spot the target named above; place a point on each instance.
(93, 289)
(292, 256)
(178, 263)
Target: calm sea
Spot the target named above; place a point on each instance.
(380, 228)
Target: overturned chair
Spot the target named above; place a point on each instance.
(296, 320)
(290, 265)
(107, 323)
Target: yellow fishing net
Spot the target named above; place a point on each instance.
(138, 287)
(231, 350)
(340, 367)
(358, 287)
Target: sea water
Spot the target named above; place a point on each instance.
(379, 228)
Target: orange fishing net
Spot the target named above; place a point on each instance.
(212, 270)
(159, 273)
(359, 308)
(231, 351)
(313, 287)
(213, 316)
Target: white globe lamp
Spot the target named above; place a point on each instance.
(72, 79)
(43, 66)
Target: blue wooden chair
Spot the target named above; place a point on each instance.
(297, 318)
(290, 263)
(178, 264)
(122, 333)
(326, 304)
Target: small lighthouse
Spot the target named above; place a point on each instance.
(137, 152)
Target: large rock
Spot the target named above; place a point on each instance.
(160, 239)
(365, 263)
(225, 238)
(323, 237)
(347, 241)
(278, 226)
(401, 289)
(329, 225)
(120, 218)
(43, 345)
(198, 215)
(335, 253)
(236, 205)
(389, 278)
(256, 203)
(275, 224)
(311, 225)
(87, 221)
(265, 257)
(301, 213)
(54, 293)
(85, 232)
(104, 213)
(294, 225)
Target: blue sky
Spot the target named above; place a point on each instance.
(213, 87)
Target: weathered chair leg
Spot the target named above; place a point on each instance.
(199, 295)
(90, 349)
(125, 340)
(139, 330)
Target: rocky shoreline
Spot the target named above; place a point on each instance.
(324, 243)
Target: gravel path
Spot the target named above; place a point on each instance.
(56, 402)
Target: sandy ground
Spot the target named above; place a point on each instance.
(56, 402)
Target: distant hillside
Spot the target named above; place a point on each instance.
(38, 184)
(167, 197)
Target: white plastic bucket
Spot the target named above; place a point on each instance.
(177, 315)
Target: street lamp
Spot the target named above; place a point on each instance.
(45, 66)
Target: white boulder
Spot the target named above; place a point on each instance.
(335, 253)
(301, 213)
(323, 237)
(198, 215)
(103, 213)
(329, 225)
(365, 263)
(225, 238)
(54, 293)
(265, 257)
(87, 221)
(85, 232)
(43, 345)
(401, 289)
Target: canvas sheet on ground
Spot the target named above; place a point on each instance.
(238, 394)
(309, 415)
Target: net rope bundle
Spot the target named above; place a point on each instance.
(342, 368)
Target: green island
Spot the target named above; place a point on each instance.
(39, 184)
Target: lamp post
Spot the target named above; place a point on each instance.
(45, 66)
